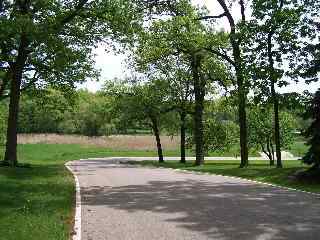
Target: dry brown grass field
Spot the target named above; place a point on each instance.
(121, 142)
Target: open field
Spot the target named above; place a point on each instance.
(132, 145)
(120, 142)
(137, 143)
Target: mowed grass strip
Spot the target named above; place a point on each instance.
(258, 171)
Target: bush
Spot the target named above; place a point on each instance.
(107, 129)
(219, 135)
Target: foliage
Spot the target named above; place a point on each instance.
(80, 112)
(139, 103)
(220, 136)
(261, 134)
(59, 36)
(42, 111)
(221, 132)
(313, 133)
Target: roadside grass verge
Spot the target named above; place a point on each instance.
(258, 171)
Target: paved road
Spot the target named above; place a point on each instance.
(122, 202)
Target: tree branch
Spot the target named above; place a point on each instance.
(212, 17)
(222, 55)
(243, 15)
(228, 15)
(72, 14)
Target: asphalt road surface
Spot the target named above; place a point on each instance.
(123, 202)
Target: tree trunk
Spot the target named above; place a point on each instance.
(270, 150)
(242, 97)
(275, 101)
(183, 137)
(242, 92)
(276, 126)
(198, 114)
(156, 133)
(10, 157)
(243, 128)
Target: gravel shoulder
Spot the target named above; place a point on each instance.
(122, 202)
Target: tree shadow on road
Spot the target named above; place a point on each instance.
(221, 210)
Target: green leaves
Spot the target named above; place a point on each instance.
(61, 36)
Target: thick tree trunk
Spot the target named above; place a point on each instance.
(198, 113)
(242, 98)
(183, 137)
(275, 101)
(10, 157)
(156, 133)
(241, 84)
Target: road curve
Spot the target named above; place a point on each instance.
(123, 202)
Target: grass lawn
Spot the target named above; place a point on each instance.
(36, 203)
(298, 148)
(258, 170)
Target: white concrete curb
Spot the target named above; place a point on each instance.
(77, 217)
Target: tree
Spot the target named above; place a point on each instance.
(219, 135)
(309, 57)
(142, 102)
(312, 157)
(236, 38)
(273, 40)
(183, 36)
(176, 72)
(42, 111)
(50, 43)
(261, 130)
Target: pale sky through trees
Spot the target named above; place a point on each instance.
(113, 65)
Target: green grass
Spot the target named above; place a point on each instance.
(258, 170)
(298, 148)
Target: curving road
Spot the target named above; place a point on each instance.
(123, 202)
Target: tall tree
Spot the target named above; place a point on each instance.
(51, 43)
(177, 73)
(237, 60)
(183, 36)
(273, 40)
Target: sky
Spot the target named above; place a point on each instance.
(113, 65)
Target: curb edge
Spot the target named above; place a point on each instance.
(77, 216)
